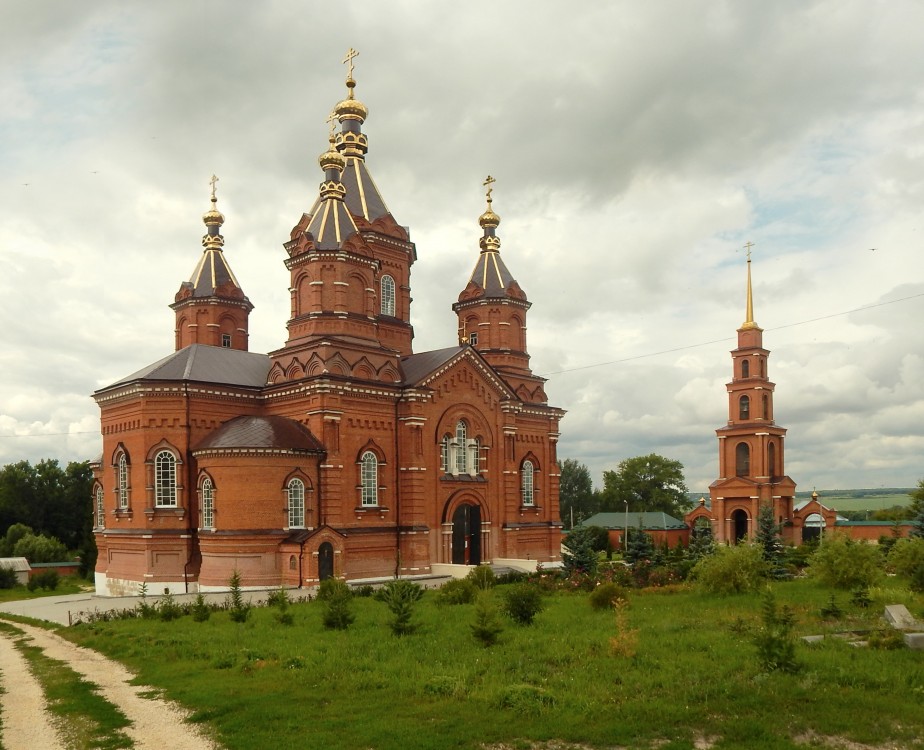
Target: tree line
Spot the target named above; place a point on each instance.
(46, 511)
(642, 483)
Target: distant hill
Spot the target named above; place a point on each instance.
(871, 499)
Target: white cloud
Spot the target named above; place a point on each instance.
(637, 147)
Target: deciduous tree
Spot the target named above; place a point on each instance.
(576, 492)
(647, 483)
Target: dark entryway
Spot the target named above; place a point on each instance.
(466, 535)
(325, 561)
(740, 525)
(813, 528)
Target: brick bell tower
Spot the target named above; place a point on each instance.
(211, 308)
(751, 453)
(492, 313)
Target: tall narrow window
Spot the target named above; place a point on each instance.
(763, 368)
(296, 492)
(476, 457)
(445, 454)
(388, 296)
(526, 483)
(766, 407)
(461, 448)
(742, 460)
(165, 480)
(208, 504)
(771, 460)
(370, 479)
(745, 368)
(744, 408)
(123, 481)
(100, 509)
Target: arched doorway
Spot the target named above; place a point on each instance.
(466, 535)
(325, 561)
(813, 528)
(739, 525)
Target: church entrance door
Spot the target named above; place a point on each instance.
(325, 561)
(466, 535)
(740, 525)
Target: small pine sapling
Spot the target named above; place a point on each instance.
(238, 609)
(487, 626)
(200, 610)
(776, 644)
(625, 642)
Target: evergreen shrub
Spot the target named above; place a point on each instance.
(606, 595)
(522, 602)
(8, 579)
(456, 591)
(486, 626)
(482, 577)
(400, 597)
(47, 579)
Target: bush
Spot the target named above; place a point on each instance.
(776, 645)
(336, 596)
(906, 556)
(238, 609)
(845, 564)
(482, 577)
(200, 610)
(47, 579)
(8, 579)
(169, 609)
(400, 597)
(280, 600)
(522, 602)
(456, 591)
(486, 627)
(40, 548)
(732, 570)
(606, 595)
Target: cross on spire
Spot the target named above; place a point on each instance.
(212, 183)
(487, 183)
(748, 245)
(351, 53)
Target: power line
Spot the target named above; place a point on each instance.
(731, 338)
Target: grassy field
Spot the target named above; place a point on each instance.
(694, 676)
(867, 502)
(67, 585)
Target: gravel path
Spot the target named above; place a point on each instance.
(156, 724)
(27, 724)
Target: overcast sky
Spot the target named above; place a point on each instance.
(636, 147)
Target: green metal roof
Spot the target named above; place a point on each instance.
(649, 520)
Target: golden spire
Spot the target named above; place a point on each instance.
(489, 221)
(213, 219)
(351, 108)
(749, 320)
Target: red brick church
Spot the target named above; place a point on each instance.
(343, 452)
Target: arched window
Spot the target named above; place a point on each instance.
(165, 480)
(207, 497)
(742, 460)
(461, 448)
(771, 460)
(445, 454)
(100, 509)
(296, 490)
(745, 368)
(766, 400)
(388, 296)
(122, 471)
(370, 479)
(763, 368)
(744, 408)
(526, 484)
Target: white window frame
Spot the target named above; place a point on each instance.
(207, 490)
(369, 479)
(122, 476)
(527, 484)
(387, 306)
(461, 448)
(296, 503)
(100, 509)
(165, 486)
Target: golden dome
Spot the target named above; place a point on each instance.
(489, 219)
(351, 108)
(213, 217)
(331, 159)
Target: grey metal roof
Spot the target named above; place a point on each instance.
(362, 195)
(491, 274)
(206, 364)
(331, 224)
(212, 275)
(416, 367)
(645, 520)
(262, 433)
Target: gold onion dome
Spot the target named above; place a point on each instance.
(331, 159)
(489, 219)
(351, 108)
(213, 217)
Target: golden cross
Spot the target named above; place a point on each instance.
(487, 183)
(212, 183)
(748, 245)
(330, 121)
(351, 53)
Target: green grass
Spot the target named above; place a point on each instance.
(864, 502)
(86, 719)
(694, 675)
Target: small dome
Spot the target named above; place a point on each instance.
(489, 219)
(331, 159)
(213, 217)
(350, 108)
